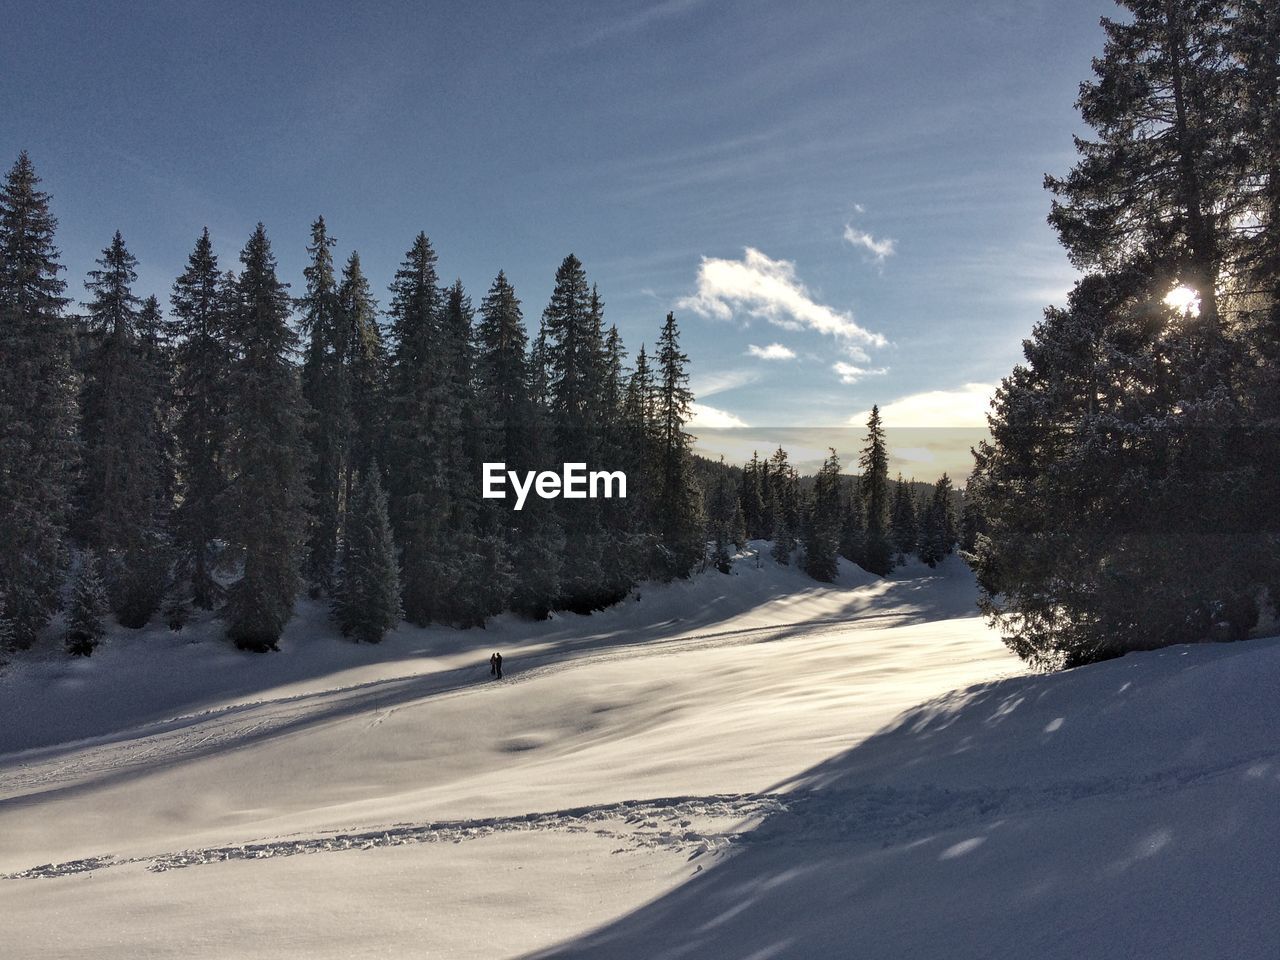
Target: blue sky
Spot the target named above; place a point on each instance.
(842, 201)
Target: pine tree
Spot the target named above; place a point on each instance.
(938, 525)
(125, 491)
(972, 523)
(679, 500)
(367, 602)
(822, 540)
(37, 407)
(573, 337)
(904, 527)
(366, 355)
(784, 505)
(877, 554)
(326, 390)
(753, 508)
(853, 530)
(640, 462)
(202, 361)
(265, 499)
(1118, 453)
(471, 558)
(723, 513)
(418, 478)
(88, 606)
(504, 392)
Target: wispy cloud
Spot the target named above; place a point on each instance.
(852, 373)
(721, 381)
(774, 351)
(762, 287)
(878, 248)
(638, 21)
(712, 418)
(964, 406)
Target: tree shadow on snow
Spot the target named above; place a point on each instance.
(1128, 809)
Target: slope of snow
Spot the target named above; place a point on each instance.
(746, 765)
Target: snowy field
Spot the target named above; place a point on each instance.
(751, 766)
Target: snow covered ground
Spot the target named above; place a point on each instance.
(744, 766)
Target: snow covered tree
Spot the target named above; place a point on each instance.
(37, 407)
(88, 606)
(125, 489)
(367, 602)
(198, 331)
(265, 499)
(877, 552)
(822, 537)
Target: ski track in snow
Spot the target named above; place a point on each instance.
(880, 816)
(189, 735)
(676, 823)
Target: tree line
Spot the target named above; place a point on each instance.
(865, 518)
(218, 455)
(1131, 486)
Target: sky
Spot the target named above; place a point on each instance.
(841, 201)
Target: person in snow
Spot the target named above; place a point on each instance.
(493, 664)
(497, 664)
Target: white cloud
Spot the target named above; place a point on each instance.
(721, 381)
(769, 289)
(712, 418)
(774, 351)
(879, 249)
(964, 406)
(851, 373)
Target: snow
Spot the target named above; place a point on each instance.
(747, 765)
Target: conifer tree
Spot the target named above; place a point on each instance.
(571, 328)
(540, 544)
(679, 500)
(877, 554)
(418, 496)
(88, 606)
(125, 488)
(822, 539)
(640, 448)
(753, 488)
(202, 361)
(784, 503)
(37, 407)
(506, 435)
(853, 530)
(1101, 534)
(972, 524)
(367, 601)
(326, 389)
(904, 528)
(367, 377)
(465, 558)
(938, 526)
(265, 499)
